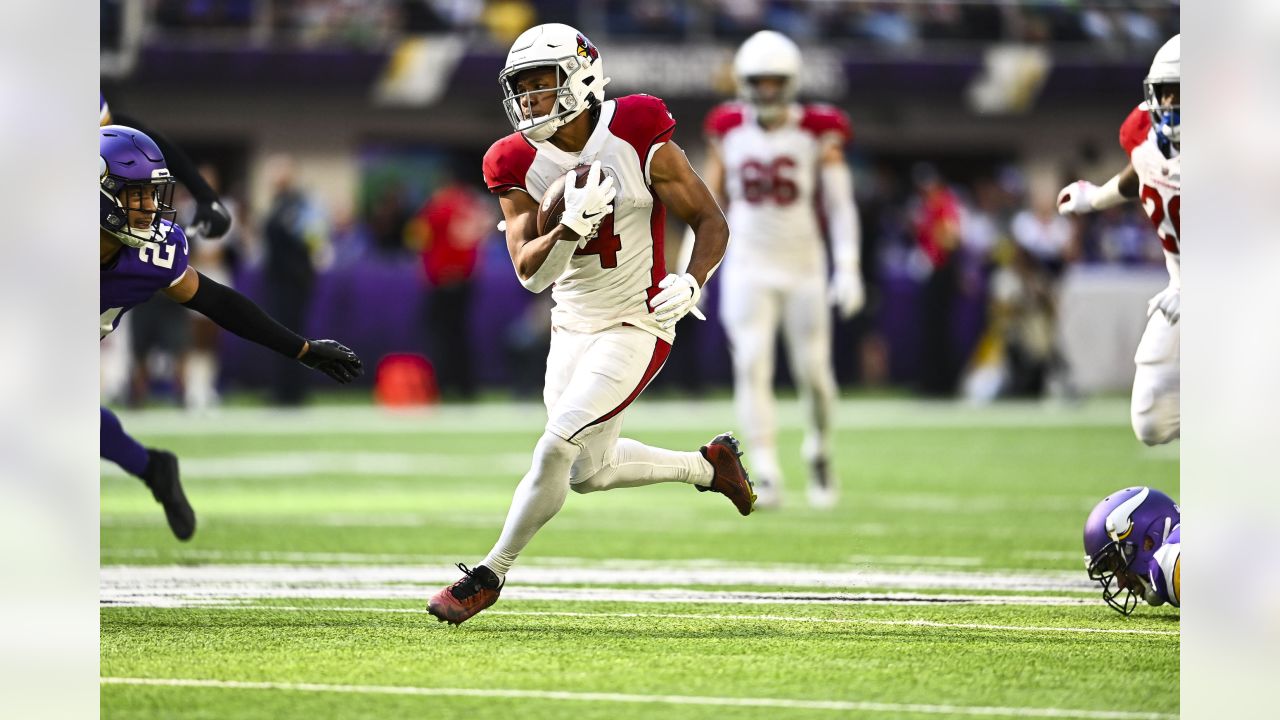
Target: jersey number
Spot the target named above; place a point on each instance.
(605, 244)
(1154, 205)
(156, 255)
(772, 181)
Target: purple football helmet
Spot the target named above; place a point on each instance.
(136, 189)
(1120, 539)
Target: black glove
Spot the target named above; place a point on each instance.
(333, 359)
(211, 219)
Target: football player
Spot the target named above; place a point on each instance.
(1133, 548)
(772, 160)
(211, 219)
(616, 306)
(1151, 138)
(142, 252)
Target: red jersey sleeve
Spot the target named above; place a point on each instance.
(643, 121)
(822, 120)
(507, 163)
(1136, 129)
(722, 118)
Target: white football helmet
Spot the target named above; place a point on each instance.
(768, 53)
(1166, 69)
(580, 77)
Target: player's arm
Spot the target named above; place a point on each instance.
(242, 316)
(1083, 196)
(211, 218)
(713, 175)
(847, 293)
(539, 260)
(684, 193)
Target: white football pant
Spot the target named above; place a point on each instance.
(1155, 409)
(591, 379)
(752, 310)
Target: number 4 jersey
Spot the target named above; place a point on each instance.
(1160, 178)
(135, 274)
(771, 178)
(611, 280)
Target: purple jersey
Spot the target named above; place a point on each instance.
(137, 273)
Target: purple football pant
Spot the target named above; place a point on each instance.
(116, 446)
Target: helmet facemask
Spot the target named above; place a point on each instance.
(1108, 567)
(567, 103)
(1165, 118)
(769, 106)
(127, 203)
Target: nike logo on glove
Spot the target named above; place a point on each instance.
(588, 217)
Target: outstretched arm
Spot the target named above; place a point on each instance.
(240, 315)
(1083, 196)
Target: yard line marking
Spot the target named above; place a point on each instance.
(812, 579)
(308, 463)
(647, 415)
(720, 616)
(781, 703)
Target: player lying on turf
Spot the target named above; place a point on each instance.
(1151, 136)
(1133, 545)
(616, 307)
(776, 162)
(143, 251)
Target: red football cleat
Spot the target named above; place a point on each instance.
(477, 590)
(730, 477)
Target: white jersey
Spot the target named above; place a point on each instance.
(610, 281)
(1160, 178)
(771, 185)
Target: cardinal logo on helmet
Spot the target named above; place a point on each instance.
(586, 49)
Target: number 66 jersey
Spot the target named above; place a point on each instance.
(1159, 169)
(610, 280)
(771, 180)
(135, 274)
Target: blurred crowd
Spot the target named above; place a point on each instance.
(964, 276)
(1107, 24)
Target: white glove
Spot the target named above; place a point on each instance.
(847, 293)
(1077, 198)
(679, 295)
(586, 206)
(1167, 301)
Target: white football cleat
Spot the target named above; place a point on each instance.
(768, 493)
(822, 491)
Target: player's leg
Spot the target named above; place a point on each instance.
(750, 312)
(807, 329)
(1155, 410)
(158, 469)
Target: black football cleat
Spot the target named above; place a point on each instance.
(477, 590)
(161, 476)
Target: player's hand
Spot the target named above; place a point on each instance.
(1077, 198)
(1167, 301)
(333, 359)
(846, 293)
(211, 220)
(679, 295)
(586, 206)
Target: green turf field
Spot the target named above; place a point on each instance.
(949, 581)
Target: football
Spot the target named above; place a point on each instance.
(552, 207)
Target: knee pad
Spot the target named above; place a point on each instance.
(1158, 423)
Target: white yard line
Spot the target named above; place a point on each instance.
(780, 703)
(647, 415)
(595, 581)
(717, 616)
(592, 573)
